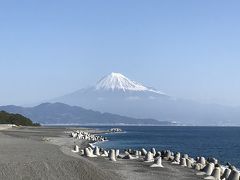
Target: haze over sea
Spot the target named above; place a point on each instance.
(219, 142)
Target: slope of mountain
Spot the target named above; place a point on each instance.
(59, 113)
(17, 119)
(117, 94)
(117, 81)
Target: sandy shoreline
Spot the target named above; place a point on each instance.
(45, 153)
(25, 155)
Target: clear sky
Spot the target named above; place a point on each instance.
(186, 48)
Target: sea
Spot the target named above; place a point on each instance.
(222, 143)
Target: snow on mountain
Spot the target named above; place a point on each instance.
(117, 81)
(117, 94)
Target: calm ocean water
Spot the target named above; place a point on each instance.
(220, 142)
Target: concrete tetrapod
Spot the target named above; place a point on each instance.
(112, 155)
(207, 170)
(149, 157)
(234, 175)
(216, 174)
(76, 149)
(88, 153)
(158, 162)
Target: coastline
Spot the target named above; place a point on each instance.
(46, 153)
(136, 169)
(195, 141)
(132, 166)
(6, 126)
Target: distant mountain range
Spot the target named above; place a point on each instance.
(115, 99)
(59, 113)
(117, 94)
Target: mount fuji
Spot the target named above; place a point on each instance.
(115, 93)
(112, 86)
(118, 82)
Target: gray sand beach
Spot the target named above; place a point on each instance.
(45, 153)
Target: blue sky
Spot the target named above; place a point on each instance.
(189, 49)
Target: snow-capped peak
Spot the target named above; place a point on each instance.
(117, 81)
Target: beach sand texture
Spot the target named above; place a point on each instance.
(45, 153)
